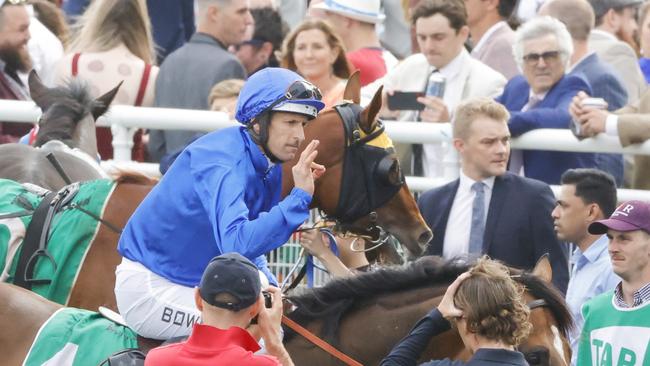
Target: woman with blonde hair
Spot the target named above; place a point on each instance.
(314, 51)
(112, 42)
(487, 307)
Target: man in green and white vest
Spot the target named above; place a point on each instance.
(617, 323)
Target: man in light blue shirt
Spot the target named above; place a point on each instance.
(586, 195)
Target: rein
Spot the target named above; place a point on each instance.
(57, 166)
(319, 342)
(535, 304)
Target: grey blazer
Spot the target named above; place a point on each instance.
(185, 79)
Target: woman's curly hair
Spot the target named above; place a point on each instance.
(492, 303)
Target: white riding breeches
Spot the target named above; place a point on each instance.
(153, 306)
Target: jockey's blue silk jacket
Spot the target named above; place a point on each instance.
(220, 195)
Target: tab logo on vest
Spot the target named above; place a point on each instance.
(610, 346)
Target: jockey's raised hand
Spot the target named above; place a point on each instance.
(306, 170)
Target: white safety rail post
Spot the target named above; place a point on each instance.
(122, 142)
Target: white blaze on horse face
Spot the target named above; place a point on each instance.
(557, 342)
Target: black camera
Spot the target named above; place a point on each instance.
(268, 299)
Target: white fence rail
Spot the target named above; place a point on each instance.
(125, 120)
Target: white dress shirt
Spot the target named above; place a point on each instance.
(433, 154)
(456, 241)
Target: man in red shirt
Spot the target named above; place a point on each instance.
(229, 297)
(355, 21)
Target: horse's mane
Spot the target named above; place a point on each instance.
(333, 300)
(131, 177)
(330, 302)
(72, 101)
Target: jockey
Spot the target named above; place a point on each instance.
(221, 195)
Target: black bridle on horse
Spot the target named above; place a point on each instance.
(371, 174)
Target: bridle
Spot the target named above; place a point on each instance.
(371, 177)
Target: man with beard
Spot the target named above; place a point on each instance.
(14, 57)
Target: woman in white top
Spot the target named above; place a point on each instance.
(112, 42)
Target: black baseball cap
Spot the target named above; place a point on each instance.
(232, 274)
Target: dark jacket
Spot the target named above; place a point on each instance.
(185, 80)
(408, 350)
(519, 227)
(551, 112)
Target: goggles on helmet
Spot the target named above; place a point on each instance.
(298, 90)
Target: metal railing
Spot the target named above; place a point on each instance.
(125, 120)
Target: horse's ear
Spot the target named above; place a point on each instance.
(353, 88)
(102, 103)
(38, 91)
(370, 113)
(543, 268)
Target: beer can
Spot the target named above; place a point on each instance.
(436, 85)
(596, 103)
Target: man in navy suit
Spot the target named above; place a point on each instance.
(541, 97)
(509, 218)
(578, 16)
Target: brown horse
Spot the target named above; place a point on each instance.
(96, 280)
(399, 215)
(364, 316)
(66, 129)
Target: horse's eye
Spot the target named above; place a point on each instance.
(395, 174)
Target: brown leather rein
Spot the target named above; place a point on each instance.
(319, 342)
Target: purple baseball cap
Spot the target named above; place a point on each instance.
(629, 216)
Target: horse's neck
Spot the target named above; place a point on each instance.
(384, 320)
(85, 136)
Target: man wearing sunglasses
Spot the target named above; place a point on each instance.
(222, 194)
(14, 34)
(540, 97)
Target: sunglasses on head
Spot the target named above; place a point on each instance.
(299, 89)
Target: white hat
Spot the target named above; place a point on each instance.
(363, 10)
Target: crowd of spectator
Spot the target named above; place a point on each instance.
(509, 67)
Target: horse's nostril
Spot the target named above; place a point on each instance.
(425, 237)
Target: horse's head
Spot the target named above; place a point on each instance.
(547, 343)
(69, 113)
(363, 187)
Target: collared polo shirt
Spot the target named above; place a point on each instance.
(208, 345)
(591, 275)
